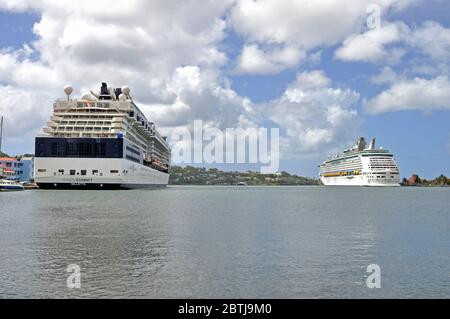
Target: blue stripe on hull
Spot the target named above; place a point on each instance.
(11, 188)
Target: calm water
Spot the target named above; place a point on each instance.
(212, 242)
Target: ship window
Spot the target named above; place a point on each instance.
(94, 172)
(79, 147)
(134, 159)
(133, 151)
(41, 170)
(72, 172)
(83, 172)
(61, 171)
(114, 171)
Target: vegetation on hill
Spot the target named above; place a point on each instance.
(190, 175)
(3, 154)
(415, 180)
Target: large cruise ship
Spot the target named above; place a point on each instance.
(101, 141)
(361, 166)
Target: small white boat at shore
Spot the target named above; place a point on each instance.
(8, 185)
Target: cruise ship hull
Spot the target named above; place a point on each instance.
(358, 181)
(96, 173)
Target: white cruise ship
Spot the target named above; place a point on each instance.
(361, 166)
(101, 141)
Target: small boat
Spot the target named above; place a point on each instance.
(242, 184)
(8, 185)
(29, 185)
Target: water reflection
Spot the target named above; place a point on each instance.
(225, 242)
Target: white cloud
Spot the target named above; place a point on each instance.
(386, 76)
(315, 116)
(170, 54)
(415, 94)
(253, 60)
(311, 80)
(200, 95)
(303, 22)
(86, 40)
(431, 43)
(432, 39)
(24, 112)
(428, 46)
(371, 46)
(166, 51)
(301, 25)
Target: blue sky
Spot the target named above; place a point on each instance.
(240, 53)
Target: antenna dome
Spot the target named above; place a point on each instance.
(122, 97)
(126, 90)
(86, 97)
(68, 89)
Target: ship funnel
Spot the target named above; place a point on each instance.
(372, 144)
(105, 93)
(361, 144)
(68, 90)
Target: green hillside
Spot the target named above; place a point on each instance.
(190, 175)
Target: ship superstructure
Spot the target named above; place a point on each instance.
(361, 166)
(102, 140)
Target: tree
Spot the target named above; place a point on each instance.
(405, 181)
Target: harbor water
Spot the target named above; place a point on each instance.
(226, 242)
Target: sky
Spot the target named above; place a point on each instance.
(323, 72)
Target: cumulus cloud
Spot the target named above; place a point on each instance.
(432, 39)
(158, 48)
(415, 94)
(372, 46)
(386, 76)
(306, 23)
(25, 112)
(422, 80)
(430, 42)
(301, 25)
(315, 116)
(253, 60)
(171, 54)
(200, 95)
(311, 80)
